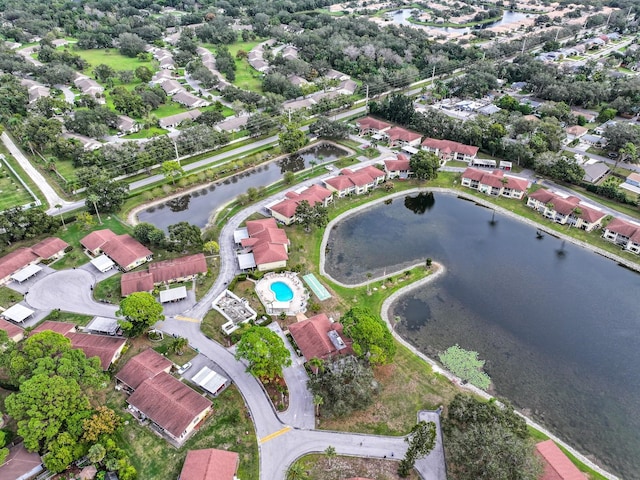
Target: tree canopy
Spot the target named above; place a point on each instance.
(371, 337)
(308, 216)
(140, 311)
(424, 165)
(265, 352)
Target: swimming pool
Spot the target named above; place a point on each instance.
(282, 291)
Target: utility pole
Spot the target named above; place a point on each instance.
(524, 42)
(366, 102)
(608, 18)
(557, 33)
(175, 147)
(289, 115)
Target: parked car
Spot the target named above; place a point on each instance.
(184, 368)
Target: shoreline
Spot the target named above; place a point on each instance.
(441, 270)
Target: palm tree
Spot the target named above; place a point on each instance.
(369, 275)
(317, 364)
(178, 345)
(59, 207)
(297, 472)
(93, 198)
(317, 401)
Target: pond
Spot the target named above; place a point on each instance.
(401, 17)
(196, 207)
(557, 325)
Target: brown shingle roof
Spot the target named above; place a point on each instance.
(209, 464)
(169, 403)
(132, 282)
(399, 133)
(20, 258)
(19, 462)
(495, 179)
(311, 336)
(101, 346)
(125, 250)
(369, 122)
(143, 366)
(96, 239)
(448, 146)
(556, 464)
(48, 247)
(169, 270)
(400, 163)
(14, 332)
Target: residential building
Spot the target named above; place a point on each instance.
(319, 337)
(127, 124)
(167, 271)
(400, 137)
(449, 150)
(633, 179)
(601, 129)
(495, 183)
(58, 327)
(355, 182)
(594, 140)
(232, 124)
(264, 245)
(173, 121)
(284, 211)
(347, 87)
(336, 75)
(210, 464)
(175, 409)
(21, 464)
(556, 464)
(372, 126)
(594, 172)
(171, 86)
(88, 144)
(88, 86)
(398, 167)
(565, 210)
(575, 132)
(623, 233)
(143, 366)
(124, 250)
(50, 248)
(13, 331)
(15, 261)
(189, 100)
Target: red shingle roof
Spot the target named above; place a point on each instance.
(448, 146)
(14, 261)
(169, 270)
(311, 336)
(566, 206)
(556, 464)
(265, 252)
(210, 464)
(399, 133)
(132, 282)
(373, 123)
(267, 241)
(48, 247)
(349, 178)
(257, 226)
(314, 194)
(59, 327)
(125, 250)
(625, 228)
(143, 366)
(169, 403)
(104, 347)
(400, 163)
(96, 239)
(13, 331)
(495, 179)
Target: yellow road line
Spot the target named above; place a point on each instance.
(186, 319)
(273, 435)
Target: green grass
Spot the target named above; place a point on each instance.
(112, 58)
(146, 133)
(164, 348)
(247, 77)
(74, 233)
(108, 289)
(169, 108)
(77, 318)
(9, 297)
(226, 428)
(12, 193)
(7, 175)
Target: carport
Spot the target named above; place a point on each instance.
(173, 294)
(210, 380)
(26, 273)
(103, 263)
(18, 313)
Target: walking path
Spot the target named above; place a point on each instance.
(49, 193)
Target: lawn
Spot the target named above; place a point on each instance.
(77, 318)
(108, 289)
(112, 58)
(12, 192)
(169, 108)
(9, 297)
(74, 233)
(323, 467)
(247, 77)
(146, 133)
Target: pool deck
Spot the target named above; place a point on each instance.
(298, 304)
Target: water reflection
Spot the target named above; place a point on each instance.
(179, 204)
(420, 203)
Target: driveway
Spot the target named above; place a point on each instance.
(70, 291)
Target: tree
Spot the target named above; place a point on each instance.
(264, 351)
(85, 220)
(465, 364)
(185, 237)
(371, 337)
(486, 441)
(143, 74)
(288, 178)
(308, 216)
(103, 73)
(94, 199)
(211, 247)
(296, 471)
(323, 127)
(104, 421)
(131, 44)
(347, 384)
(96, 453)
(172, 169)
(424, 165)
(421, 440)
(628, 153)
(111, 194)
(140, 311)
(178, 345)
(292, 139)
(148, 234)
(59, 208)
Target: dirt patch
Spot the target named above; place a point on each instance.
(321, 467)
(278, 393)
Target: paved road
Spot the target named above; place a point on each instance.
(50, 194)
(628, 166)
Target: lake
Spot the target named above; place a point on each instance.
(557, 325)
(197, 207)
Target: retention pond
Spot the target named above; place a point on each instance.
(558, 325)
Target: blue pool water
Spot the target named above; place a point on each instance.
(282, 291)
